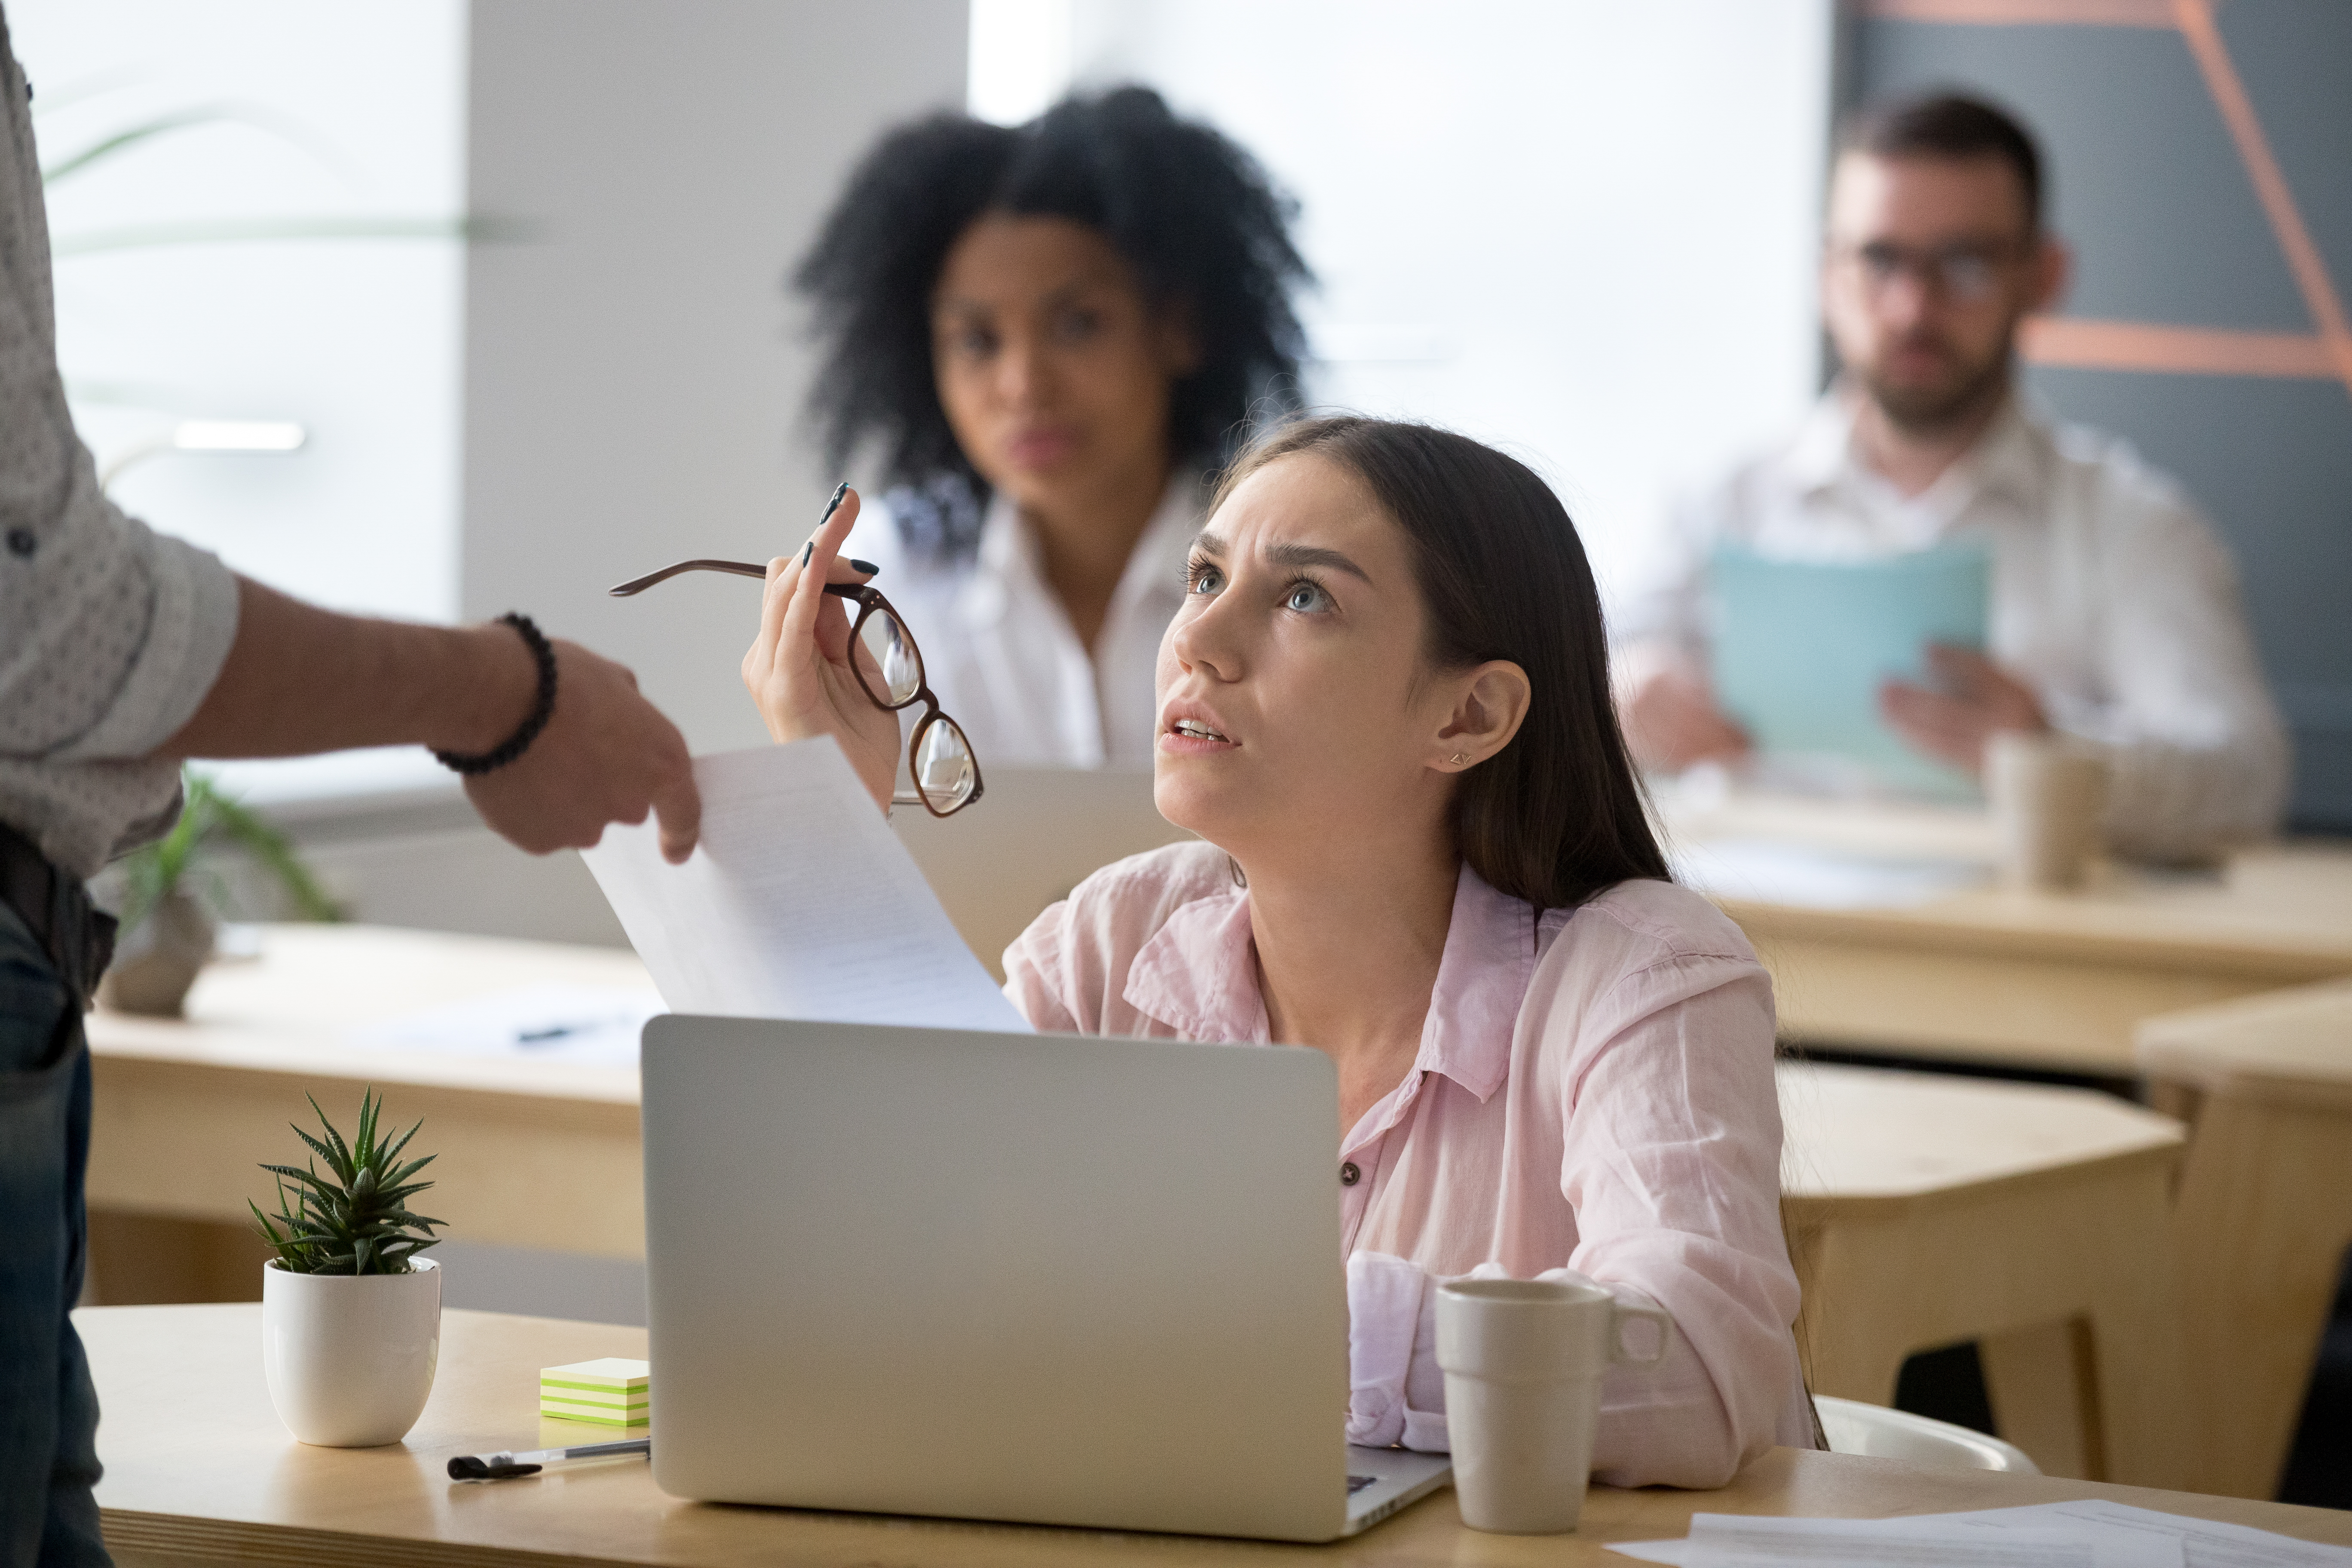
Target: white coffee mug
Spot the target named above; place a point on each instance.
(2048, 795)
(1523, 1361)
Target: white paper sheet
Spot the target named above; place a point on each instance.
(1773, 871)
(1995, 1540)
(594, 1024)
(2203, 1542)
(798, 903)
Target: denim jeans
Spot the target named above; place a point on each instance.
(49, 1410)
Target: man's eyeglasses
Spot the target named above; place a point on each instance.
(889, 669)
(1967, 274)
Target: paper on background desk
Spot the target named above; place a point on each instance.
(1773, 871)
(598, 1025)
(799, 902)
(2085, 1534)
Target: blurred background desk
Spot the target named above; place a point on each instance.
(198, 1469)
(532, 1154)
(2051, 982)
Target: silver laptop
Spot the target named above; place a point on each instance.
(1013, 1277)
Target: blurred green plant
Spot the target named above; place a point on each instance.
(209, 818)
(226, 231)
(358, 1223)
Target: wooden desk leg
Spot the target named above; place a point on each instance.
(1857, 1323)
(2264, 1217)
(2038, 1383)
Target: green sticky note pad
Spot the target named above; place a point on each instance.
(612, 1374)
(596, 1416)
(1801, 648)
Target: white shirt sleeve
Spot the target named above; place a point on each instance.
(2198, 755)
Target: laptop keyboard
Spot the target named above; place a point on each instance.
(1357, 1483)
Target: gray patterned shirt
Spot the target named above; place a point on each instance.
(110, 634)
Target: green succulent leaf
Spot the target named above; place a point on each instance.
(325, 1152)
(341, 1158)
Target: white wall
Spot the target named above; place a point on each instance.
(1582, 228)
(342, 113)
(634, 376)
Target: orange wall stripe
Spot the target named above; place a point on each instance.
(2077, 343)
(2012, 13)
(2196, 22)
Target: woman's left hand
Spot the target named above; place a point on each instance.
(798, 669)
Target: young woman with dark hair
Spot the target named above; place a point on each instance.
(1050, 337)
(1384, 706)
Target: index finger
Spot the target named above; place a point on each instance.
(677, 804)
(816, 562)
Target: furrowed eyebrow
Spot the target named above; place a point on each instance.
(1295, 555)
(1291, 555)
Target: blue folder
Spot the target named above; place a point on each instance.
(1801, 649)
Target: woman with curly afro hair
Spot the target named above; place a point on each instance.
(1050, 337)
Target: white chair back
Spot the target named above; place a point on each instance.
(1878, 1433)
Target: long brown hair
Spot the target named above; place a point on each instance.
(1557, 815)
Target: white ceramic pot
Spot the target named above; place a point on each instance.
(349, 1357)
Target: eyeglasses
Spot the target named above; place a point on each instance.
(889, 669)
(1967, 274)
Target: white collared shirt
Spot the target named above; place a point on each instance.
(2111, 597)
(1000, 651)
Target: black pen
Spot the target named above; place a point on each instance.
(499, 1467)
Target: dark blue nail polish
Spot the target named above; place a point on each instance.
(866, 566)
(835, 504)
(806, 550)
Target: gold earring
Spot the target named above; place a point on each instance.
(1456, 759)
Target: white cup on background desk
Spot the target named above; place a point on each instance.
(1523, 1361)
(2048, 795)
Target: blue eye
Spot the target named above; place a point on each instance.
(1307, 598)
(1201, 577)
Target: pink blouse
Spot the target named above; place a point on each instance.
(1598, 1097)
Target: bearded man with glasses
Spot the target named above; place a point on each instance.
(2116, 615)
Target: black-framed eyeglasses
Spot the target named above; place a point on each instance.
(890, 669)
(1966, 273)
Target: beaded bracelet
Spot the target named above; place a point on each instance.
(542, 708)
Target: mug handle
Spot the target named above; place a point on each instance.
(1658, 1315)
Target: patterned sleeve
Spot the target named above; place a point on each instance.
(114, 633)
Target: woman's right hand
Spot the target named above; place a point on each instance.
(798, 669)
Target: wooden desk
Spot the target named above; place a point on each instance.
(184, 1109)
(2051, 980)
(1924, 1210)
(2265, 1212)
(198, 1469)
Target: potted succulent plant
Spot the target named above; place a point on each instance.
(351, 1317)
(168, 931)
